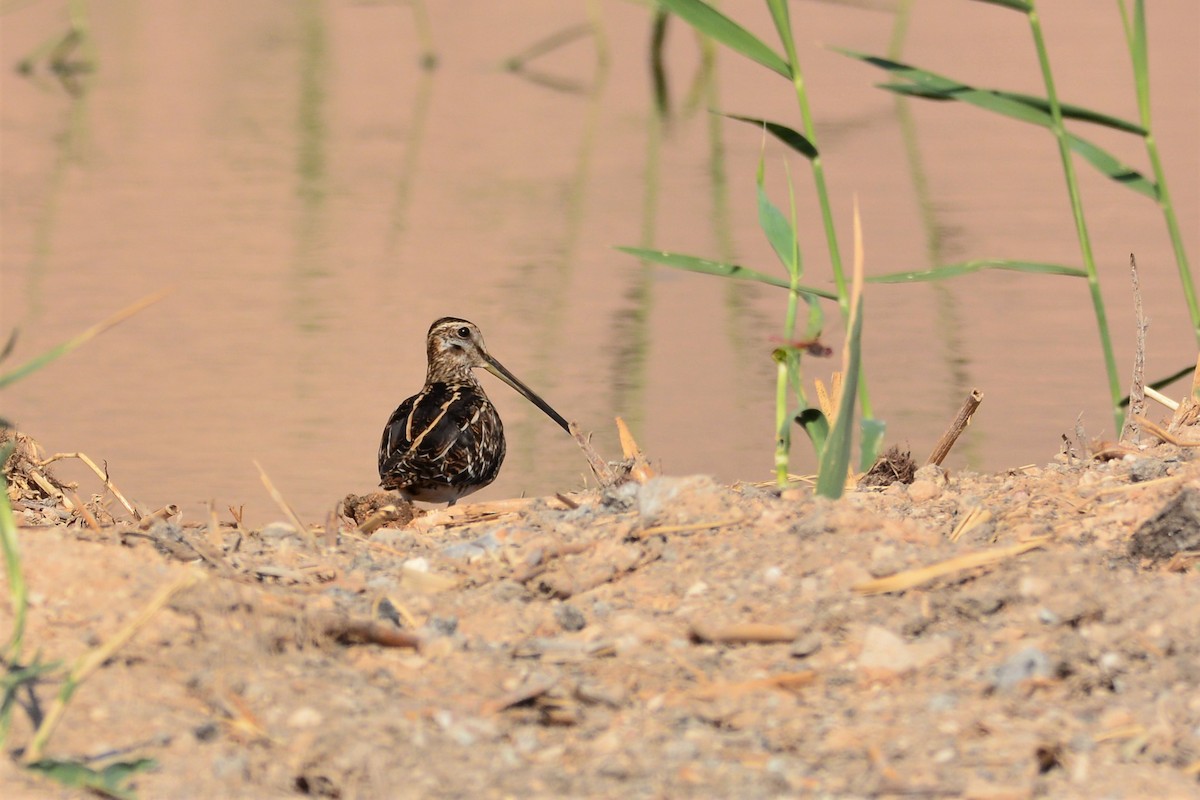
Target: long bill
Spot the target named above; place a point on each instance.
(496, 368)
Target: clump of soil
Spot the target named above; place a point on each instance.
(671, 638)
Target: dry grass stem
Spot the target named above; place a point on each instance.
(277, 496)
(82, 509)
(960, 423)
(1162, 399)
(916, 577)
(1137, 391)
(102, 474)
(974, 519)
(164, 513)
(1154, 429)
(90, 661)
(639, 468)
(599, 466)
(694, 526)
(379, 519)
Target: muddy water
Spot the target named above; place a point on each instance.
(313, 198)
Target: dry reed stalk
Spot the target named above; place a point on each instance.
(1137, 391)
(1162, 399)
(693, 526)
(639, 468)
(916, 577)
(277, 496)
(164, 513)
(1162, 433)
(598, 465)
(378, 520)
(90, 661)
(960, 423)
(102, 474)
(975, 518)
(82, 509)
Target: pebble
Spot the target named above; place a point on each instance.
(805, 645)
(570, 617)
(1028, 663)
(922, 491)
(305, 717)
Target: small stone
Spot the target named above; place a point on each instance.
(305, 717)
(921, 491)
(570, 617)
(1172, 530)
(1028, 664)
(805, 645)
(885, 651)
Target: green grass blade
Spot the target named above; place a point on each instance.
(109, 781)
(1016, 5)
(702, 265)
(835, 458)
(793, 139)
(778, 231)
(710, 22)
(816, 425)
(872, 440)
(1039, 103)
(968, 267)
(61, 350)
(12, 565)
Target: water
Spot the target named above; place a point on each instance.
(314, 198)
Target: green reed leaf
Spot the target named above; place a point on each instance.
(930, 85)
(60, 350)
(816, 425)
(1038, 103)
(835, 458)
(968, 267)
(1016, 5)
(109, 781)
(779, 231)
(872, 440)
(783, 133)
(712, 23)
(703, 265)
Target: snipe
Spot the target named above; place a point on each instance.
(447, 440)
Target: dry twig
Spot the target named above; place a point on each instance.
(916, 577)
(960, 423)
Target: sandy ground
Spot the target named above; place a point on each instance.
(676, 638)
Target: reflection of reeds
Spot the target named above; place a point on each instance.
(1049, 112)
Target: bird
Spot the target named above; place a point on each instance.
(447, 441)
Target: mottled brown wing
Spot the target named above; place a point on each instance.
(445, 436)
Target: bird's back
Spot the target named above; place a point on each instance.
(443, 443)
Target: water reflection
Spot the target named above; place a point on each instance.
(321, 180)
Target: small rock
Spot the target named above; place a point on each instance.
(805, 645)
(1172, 530)
(277, 531)
(921, 491)
(570, 617)
(885, 651)
(1025, 665)
(305, 717)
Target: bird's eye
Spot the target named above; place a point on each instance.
(464, 333)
